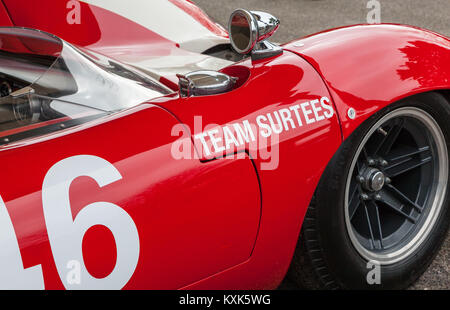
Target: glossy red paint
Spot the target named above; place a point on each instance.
(40, 45)
(378, 65)
(303, 155)
(4, 16)
(187, 230)
(99, 29)
(200, 224)
(222, 223)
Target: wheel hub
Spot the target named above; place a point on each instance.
(373, 179)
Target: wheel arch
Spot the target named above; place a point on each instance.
(445, 93)
(308, 251)
(368, 67)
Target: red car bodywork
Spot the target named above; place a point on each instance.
(222, 223)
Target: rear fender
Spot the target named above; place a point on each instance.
(368, 67)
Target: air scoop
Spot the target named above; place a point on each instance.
(204, 83)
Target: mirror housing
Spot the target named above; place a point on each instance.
(249, 31)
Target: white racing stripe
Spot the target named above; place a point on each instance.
(165, 19)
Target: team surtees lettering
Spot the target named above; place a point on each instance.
(267, 125)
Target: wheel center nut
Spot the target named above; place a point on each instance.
(373, 179)
(376, 180)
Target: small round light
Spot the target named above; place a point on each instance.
(351, 113)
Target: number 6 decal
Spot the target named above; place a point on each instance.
(66, 235)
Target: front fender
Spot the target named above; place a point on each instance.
(368, 67)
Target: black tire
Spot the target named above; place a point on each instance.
(325, 257)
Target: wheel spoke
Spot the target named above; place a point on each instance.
(358, 167)
(374, 213)
(388, 141)
(354, 201)
(408, 165)
(404, 198)
(398, 163)
(406, 152)
(394, 205)
(364, 151)
(374, 225)
(369, 225)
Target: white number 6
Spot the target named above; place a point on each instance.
(66, 235)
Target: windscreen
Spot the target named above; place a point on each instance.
(46, 83)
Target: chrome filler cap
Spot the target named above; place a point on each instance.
(204, 83)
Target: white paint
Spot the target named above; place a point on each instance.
(166, 19)
(12, 274)
(267, 125)
(171, 65)
(66, 235)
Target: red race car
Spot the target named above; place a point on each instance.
(145, 147)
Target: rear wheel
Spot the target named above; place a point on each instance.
(382, 203)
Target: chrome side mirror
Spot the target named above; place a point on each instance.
(249, 31)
